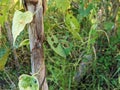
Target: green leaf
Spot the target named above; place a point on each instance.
(4, 10)
(2, 19)
(27, 82)
(108, 25)
(3, 16)
(119, 79)
(62, 4)
(55, 45)
(72, 22)
(67, 50)
(20, 19)
(84, 12)
(4, 53)
(24, 43)
(73, 25)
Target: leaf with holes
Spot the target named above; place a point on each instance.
(20, 19)
(55, 45)
(27, 82)
(73, 25)
(72, 22)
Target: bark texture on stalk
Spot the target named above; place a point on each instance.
(36, 36)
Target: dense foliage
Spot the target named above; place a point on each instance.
(82, 45)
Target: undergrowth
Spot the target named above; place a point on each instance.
(102, 49)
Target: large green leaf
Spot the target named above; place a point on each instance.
(62, 4)
(20, 19)
(72, 22)
(73, 25)
(55, 45)
(27, 82)
(4, 53)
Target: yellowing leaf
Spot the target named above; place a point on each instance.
(3, 58)
(20, 19)
(15, 1)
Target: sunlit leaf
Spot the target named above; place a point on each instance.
(27, 82)
(4, 9)
(20, 19)
(62, 4)
(15, 1)
(24, 43)
(72, 22)
(73, 25)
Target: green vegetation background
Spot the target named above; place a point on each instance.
(81, 48)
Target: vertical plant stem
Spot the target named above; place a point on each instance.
(36, 36)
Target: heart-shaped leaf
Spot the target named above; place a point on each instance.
(27, 82)
(20, 19)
